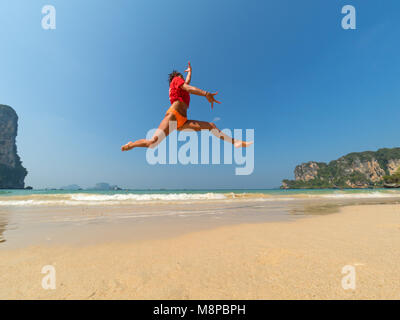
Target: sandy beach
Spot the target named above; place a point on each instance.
(224, 150)
(299, 259)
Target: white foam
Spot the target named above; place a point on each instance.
(104, 199)
(148, 197)
(86, 199)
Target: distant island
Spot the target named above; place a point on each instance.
(355, 170)
(101, 186)
(71, 187)
(105, 186)
(12, 173)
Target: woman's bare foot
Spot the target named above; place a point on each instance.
(128, 146)
(242, 144)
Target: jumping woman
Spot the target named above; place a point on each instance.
(179, 96)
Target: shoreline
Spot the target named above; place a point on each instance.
(300, 259)
(97, 224)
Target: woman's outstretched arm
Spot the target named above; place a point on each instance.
(199, 92)
(189, 73)
(193, 90)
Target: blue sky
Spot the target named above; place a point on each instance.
(310, 89)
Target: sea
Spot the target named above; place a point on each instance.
(32, 198)
(29, 217)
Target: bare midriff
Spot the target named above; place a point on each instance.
(181, 107)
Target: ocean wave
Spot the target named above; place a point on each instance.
(105, 199)
(98, 199)
(148, 197)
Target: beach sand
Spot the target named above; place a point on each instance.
(299, 259)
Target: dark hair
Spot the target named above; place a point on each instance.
(174, 74)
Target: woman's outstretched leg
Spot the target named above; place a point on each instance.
(159, 135)
(204, 125)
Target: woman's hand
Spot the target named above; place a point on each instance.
(189, 73)
(189, 68)
(211, 99)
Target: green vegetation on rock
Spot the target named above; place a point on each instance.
(393, 179)
(355, 170)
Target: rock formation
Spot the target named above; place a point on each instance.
(355, 170)
(12, 173)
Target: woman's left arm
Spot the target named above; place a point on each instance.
(189, 73)
(193, 90)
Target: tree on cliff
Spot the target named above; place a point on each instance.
(393, 179)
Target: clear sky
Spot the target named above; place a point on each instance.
(310, 89)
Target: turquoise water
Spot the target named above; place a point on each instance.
(26, 215)
(277, 192)
(28, 198)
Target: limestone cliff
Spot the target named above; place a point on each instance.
(355, 170)
(12, 173)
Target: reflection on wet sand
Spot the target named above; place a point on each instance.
(321, 207)
(3, 226)
(87, 224)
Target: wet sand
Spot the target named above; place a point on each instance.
(288, 259)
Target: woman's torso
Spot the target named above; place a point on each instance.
(178, 97)
(181, 107)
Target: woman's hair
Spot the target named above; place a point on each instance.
(174, 74)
